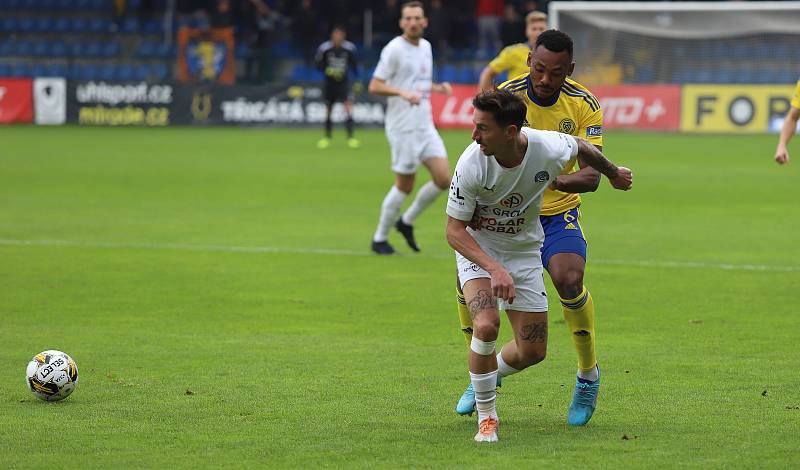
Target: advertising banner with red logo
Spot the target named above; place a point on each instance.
(454, 111)
(16, 100)
(652, 107)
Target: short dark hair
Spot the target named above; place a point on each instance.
(555, 41)
(340, 27)
(506, 107)
(414, 4)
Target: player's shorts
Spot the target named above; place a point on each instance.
(337, 92)
(526, 271)
(411, 148)
(562, 234)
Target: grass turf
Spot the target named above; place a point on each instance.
(216, 290)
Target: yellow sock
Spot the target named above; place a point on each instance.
(464, 317)
(579, 315)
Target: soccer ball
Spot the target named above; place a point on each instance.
(52, 375)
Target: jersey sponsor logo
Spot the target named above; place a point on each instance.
(567, 126)
(541, 177)
(512, 200)
(594, 131)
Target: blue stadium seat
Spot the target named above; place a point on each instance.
(146, 49)
(100, 5)
(241, 51)
(300, 73)
(447, 73)
(21, 69)
(152, 27)
(44, 24)
(79, 5)
(165, 51)
(56, 70)
(23, 48)
(74, 71)
(40, 49)
(110, 49)
(89, 72)
(106, 72)
(8, 24)
(124, 72)
(64, 5)
(62, 25)
(6, 49)
(130, 26)
(78, 25)
(142, 72)
(99, 25)
(93, 49)
(76, 49)
(26, 24)
(160, 71)
(5, 70)
(58, 49)
(38, 70)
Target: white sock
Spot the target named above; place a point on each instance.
(485, 386)
(389, 209)
(503, 369)
(425, 196)
(590, 375)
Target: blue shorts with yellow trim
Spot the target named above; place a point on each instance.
(562, 234)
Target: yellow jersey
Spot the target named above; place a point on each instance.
(573, 110)
(513, 58)
(796, 97)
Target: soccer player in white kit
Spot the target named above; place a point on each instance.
(493, 224)
(405, 74)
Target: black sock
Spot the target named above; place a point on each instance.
(349, 125)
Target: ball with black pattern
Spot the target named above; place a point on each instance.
(52, 375)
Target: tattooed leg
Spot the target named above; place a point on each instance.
(530, 339)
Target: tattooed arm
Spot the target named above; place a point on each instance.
(462, 242)
(620, 177)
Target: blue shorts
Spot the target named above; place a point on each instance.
(562, 234)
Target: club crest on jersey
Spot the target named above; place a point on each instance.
(567, 126)
(512, 200)
(541, 177)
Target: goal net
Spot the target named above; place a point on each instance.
(682, 42)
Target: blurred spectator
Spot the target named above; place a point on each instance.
(261, 34)
(306, 31)
(489, 14)
(438, 28)
(512, 26)
(220, 14)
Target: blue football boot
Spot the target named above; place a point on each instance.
(584, 401)
(466, 404)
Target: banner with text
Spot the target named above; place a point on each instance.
(629, 106)
(16, 100)
(734, 108)
(120, 103)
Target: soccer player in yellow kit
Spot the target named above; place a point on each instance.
(513, 59)
(556, 102)
(789, 126)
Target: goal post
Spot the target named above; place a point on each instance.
(682, 42)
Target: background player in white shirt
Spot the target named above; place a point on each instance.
(405, 74)
(493, 224)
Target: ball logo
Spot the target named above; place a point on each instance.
(567, 126)
(512, 200)
(541, 177)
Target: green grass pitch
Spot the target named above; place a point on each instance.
(216, 290)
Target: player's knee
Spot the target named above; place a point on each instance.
(486, 329)
(569, 284)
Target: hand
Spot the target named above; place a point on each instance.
(447, 89)
(411, 97)
(782, 156)
(554, 184)
(503, 285)
(623, 180)
(358, 88)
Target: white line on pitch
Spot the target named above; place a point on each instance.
(365, 252)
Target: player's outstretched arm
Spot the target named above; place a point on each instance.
(462, 242)
(486, 80)
(381, 88)
(443, 87)
(620, 177)
(789, 126)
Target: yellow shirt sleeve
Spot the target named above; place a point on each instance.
(592, 129)
(796, 97)
(503, 61)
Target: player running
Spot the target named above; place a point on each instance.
(555, 102)
(513, 58)
(336, 59)
(501, 179)
(405, 74)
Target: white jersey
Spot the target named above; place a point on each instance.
(508, 200)
(407, 67)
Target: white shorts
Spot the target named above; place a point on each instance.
(526, 271)
(410, 148)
